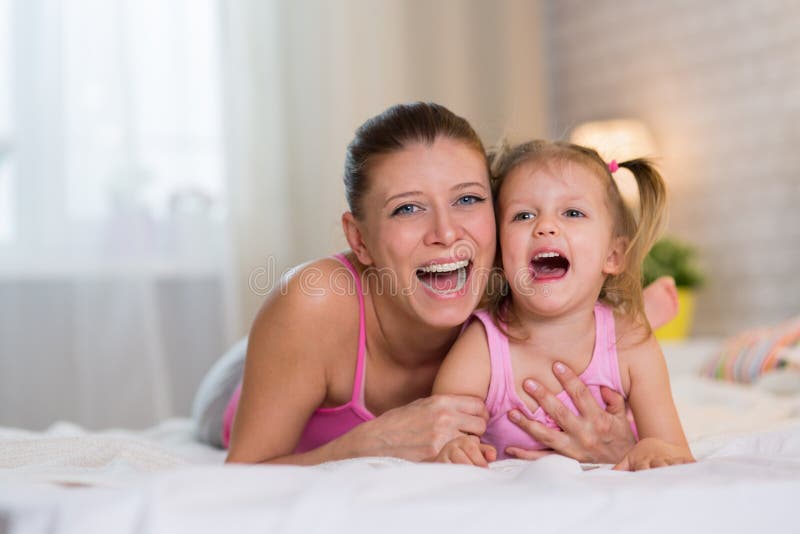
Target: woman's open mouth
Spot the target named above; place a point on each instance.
(548, 266)
(445, 278)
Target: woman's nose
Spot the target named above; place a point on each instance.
(444, 229)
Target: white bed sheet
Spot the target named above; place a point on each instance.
(747, 479)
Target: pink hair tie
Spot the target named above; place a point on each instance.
(613, 166)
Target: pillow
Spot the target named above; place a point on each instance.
(749, 355)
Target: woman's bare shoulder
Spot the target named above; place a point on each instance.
(315, 305)
(297, 340)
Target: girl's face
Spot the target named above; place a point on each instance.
(428, 228)
(556, 236)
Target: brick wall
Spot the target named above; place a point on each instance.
(718, 81)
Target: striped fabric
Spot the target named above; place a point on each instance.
(749, 355)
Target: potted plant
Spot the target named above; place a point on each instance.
(675, 258)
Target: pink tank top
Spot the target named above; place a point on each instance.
(325, 424)
(603, 370)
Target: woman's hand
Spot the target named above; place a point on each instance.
(417, 431)
(467, 450)
(652, 452)
(596, 435)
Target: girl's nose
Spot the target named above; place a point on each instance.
(546, 227)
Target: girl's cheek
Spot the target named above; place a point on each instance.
(509, 237)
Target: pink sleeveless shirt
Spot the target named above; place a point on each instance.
(325, 424)
(603, 370)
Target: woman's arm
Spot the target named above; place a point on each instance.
(285, 377)
(415, 432)
(285, 381)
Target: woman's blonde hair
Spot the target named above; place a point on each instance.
(623, 291)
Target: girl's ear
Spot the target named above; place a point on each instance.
(352, 231)
(615, 261)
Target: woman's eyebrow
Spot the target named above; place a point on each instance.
(459, 187)
(402, 195)
(467, 185)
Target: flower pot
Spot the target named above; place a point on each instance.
(679, 327)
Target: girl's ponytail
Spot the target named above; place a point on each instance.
(624, 290)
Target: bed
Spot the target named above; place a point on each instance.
(746, 438)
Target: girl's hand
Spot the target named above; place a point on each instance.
(467, 450)
(653, 452)
(417, 431)
(596, 435)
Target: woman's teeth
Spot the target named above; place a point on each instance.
(444, 267)
(444, 278)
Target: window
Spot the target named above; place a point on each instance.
(116, 141)
(6, 160)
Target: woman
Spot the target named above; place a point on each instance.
(333, 373)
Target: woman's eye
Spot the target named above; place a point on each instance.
(405, 209)
(574, 213)
(468, 200)
(523, 216)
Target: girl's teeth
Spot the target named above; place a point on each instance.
(546, 255)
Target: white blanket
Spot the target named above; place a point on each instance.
(747, 479)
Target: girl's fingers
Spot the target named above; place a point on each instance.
(641, 465)
(458, 456)
(476, 456)
(489, 452)
(624, 465)
(525, 454)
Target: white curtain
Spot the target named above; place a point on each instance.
(301, 76)
(167, 160)
(112, 239)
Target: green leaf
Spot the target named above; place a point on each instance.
(675, 258)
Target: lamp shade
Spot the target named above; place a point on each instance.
(619, 139)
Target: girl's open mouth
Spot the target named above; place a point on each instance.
(547, 266)
(445, 278)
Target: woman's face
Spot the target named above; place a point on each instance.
(428, 229)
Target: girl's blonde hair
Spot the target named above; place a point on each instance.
(623, 291)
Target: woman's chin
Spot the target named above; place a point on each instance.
(444, 309)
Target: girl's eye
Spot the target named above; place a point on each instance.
(405, 209)
(469, 200)
(523, 216)
(574, 213)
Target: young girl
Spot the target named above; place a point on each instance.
(571, 254)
